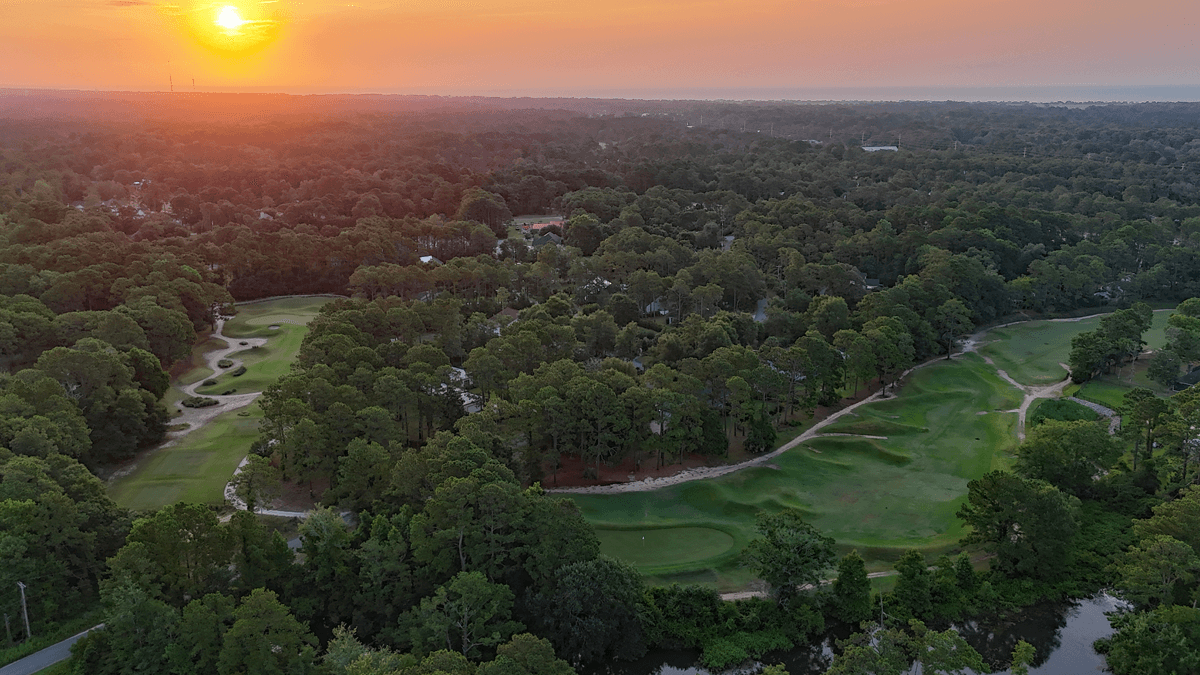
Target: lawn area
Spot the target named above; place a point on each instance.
(877, 495)
(268, 363)
(1030, 352)
(197, 468)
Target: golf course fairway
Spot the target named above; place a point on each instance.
(196, 466)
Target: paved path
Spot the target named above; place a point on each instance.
(45, 658)
(1114, 418)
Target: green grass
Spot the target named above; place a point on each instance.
(879, 496)
(195, 470)
(1031, 352)
(1105, 393)
(198, 467)
(646, 546)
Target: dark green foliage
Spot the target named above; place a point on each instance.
(138, 632)
(468, 615)
(892, 651)
(1068, 455)
(266, 638)
(1118, 339)
(57, 528)
(225, 363)
(239, 371)
(199, 402)
(1165, 640)
(727, 651)
(590, 611)
(852, 590)
(911, 597)
(96, 304)
(790, 555)
(1028, 524)
(208, 383)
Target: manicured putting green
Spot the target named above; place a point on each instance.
(665, 546)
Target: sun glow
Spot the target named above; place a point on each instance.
(231, 30)
(229, 19)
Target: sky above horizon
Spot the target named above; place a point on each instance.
(617, 47)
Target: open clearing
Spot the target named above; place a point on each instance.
(194, 465)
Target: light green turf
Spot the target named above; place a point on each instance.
(877, 495)
(646, 546)
(198, 467)
(1031, 352)
(1105, 393)
(268, 363)
(196, 470)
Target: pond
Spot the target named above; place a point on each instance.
(1062, 633)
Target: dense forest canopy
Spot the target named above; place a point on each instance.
(721, 269)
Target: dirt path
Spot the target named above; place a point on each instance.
(195, 418)
(198, 417)
(1031, 394)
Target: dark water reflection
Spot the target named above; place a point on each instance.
(1063, 634)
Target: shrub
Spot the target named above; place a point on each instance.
(225, 363)
(1062, 409)
(239, 372)
(198, 402)
(228, 392)
(208, 383)
(243, 343)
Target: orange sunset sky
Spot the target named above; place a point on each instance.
(549, 47)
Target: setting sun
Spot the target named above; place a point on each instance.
(229, 19)
(230, 30)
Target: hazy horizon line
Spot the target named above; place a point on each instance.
(938, 93)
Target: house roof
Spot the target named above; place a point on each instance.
(538, 227)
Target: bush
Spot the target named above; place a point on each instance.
(225, 363)
(738, 647)
(208, 383)
(243, 343)
(228, 392)
(198, 402)
(1063, 410)
(239, 372)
